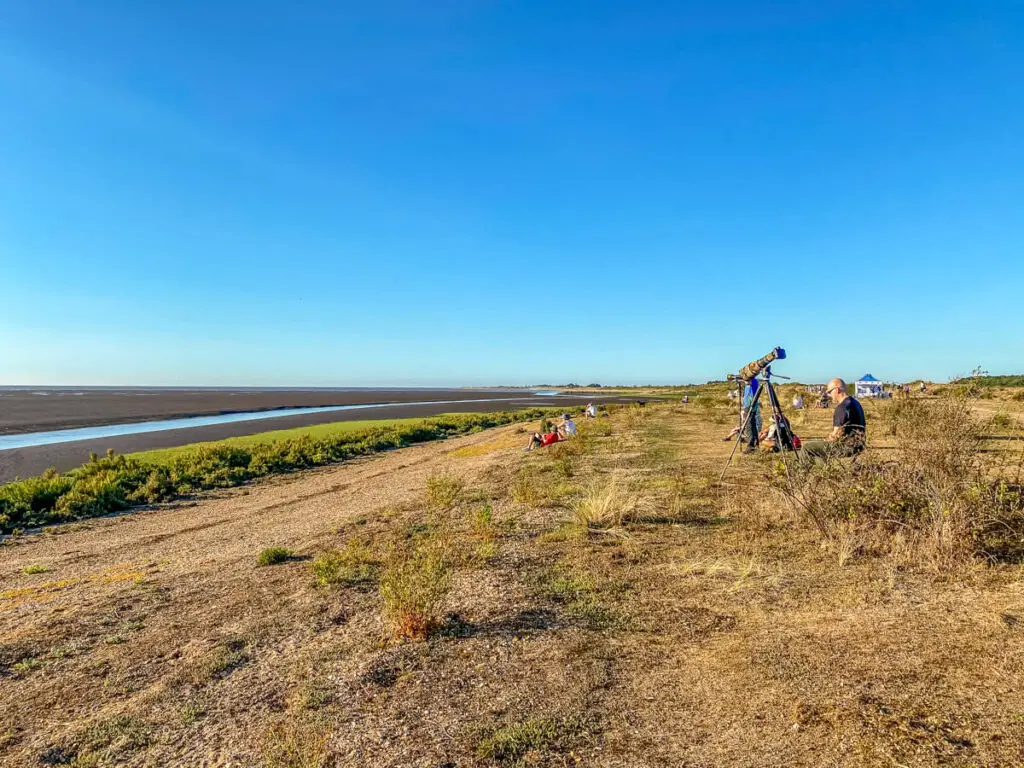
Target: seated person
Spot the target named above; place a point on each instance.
(537, 440)
(568, 428)
(591, 411)
(849, 429)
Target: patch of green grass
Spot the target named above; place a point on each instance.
(578, 591)
(353, 565)
(119, 734)
(223, 661)
(315, 432)
(190, 712)
(36, 568)
(273, 556)
(511, 744)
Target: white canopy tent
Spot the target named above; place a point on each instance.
(867, 386)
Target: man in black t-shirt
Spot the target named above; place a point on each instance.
(848, 427)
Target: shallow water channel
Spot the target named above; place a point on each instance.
(29, 439)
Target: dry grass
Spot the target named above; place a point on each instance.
(292, 743)
(941, 495)
(608, 503)
(443, 491)
(704, 624)
(413, 586)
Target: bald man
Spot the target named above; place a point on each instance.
(848, 427)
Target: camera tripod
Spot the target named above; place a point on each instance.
(783, 433)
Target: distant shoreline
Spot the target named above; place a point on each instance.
(31, 461)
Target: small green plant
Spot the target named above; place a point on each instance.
(355, 564)
(483, 522)
(224, 660)
(529, 488)
(415, 581)
(295, 743)
(510, 744)
(36, 568)
(443, 491)
(118, 734)
(1002, 421)
(190, 712)
(273, 556)
(27, 665)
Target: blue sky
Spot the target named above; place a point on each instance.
(458, 192)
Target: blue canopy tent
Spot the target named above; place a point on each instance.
(867, 386)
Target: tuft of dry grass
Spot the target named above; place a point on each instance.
(413, 585)
(443, 491)
(294, 743)
(607, 504)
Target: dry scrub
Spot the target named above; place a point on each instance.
(940, 499)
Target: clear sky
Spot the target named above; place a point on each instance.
(324, 192)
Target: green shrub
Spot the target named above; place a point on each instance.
(352, 565)
(415, 581)
(273, 556)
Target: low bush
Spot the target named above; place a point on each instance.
(413, 585)
(353, 565)
(273, 556)
(114, 483)
(510, 744)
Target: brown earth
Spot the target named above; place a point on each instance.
(709, 629)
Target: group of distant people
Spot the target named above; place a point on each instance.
(561, 430)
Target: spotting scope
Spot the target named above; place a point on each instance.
(750, 370)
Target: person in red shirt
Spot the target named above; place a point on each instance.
(540, 441)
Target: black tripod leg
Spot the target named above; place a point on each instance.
(743, 424)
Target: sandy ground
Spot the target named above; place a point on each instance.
(27, 462)
(711, 630)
